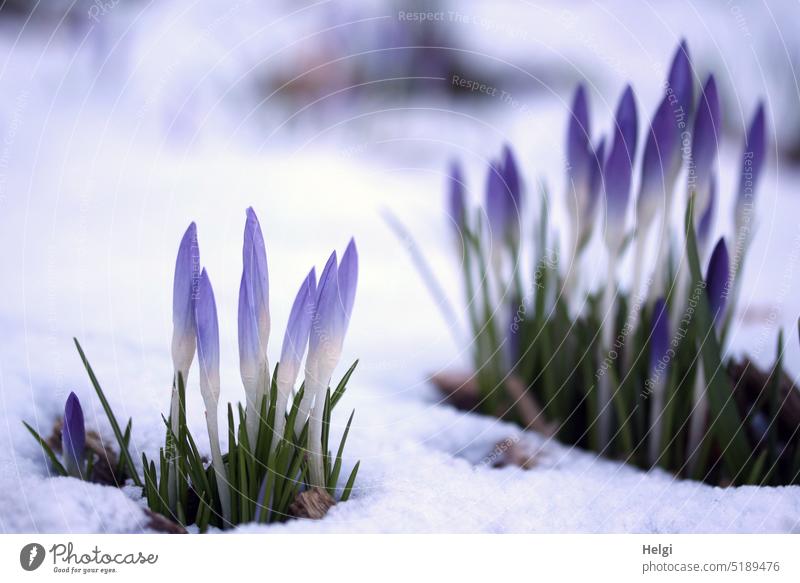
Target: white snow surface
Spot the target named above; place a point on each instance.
(109, 150)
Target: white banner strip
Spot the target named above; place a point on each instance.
(378, 558)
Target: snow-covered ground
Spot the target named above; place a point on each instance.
(117, 133)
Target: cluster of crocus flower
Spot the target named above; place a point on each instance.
(279, 447)
(629, 367)
(317, 323)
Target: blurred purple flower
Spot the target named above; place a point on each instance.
(584, 169)
(680, 83)
(753, 158)
(73, 438)
(717, 281)
(618, 168)
(661, 148)
(184, 291)
(705, 143)
(579, 150)
(457, 196)
(503, 197)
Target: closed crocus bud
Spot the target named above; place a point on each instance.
(680, 83)
(254, 321)
(295, 341)
(207, 340)
(73, 438)
(581, 168)
(661, 147)
(334, 304)
(717, 281)
(618, 169)
(705, 143)
(512, 178)
(208, 359)
(184, 288)
(457, 197)
(502, 203)
(753, 158)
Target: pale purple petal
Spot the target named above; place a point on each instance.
(295, 339)
(207, 333)
(256, 275)
(512, 179)
(348, 279)
(184, 290)
(250, 355)
(73, 437)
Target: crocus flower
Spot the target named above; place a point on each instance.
(617, 171)
(208, 358)
(680, 83)
(717, 281)
(184, 293)
(184, 288)
(73, 438)
(295, 341)
(254, 322)
(503, 198)
(581, 170)
(705, 143)
(753, 158)
(661, 148)
(334, 304)
(456, 197)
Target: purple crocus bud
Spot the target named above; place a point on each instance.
(254, 320)
(184, 290)
(457, 196)
(207, 340)
(661, 147)
(502, 202)
(295, 341)
(73, 438)
(208, 358)
(618, 169)
(705, 143)
(717, 281)
(334, 305)
(579, 150)
(680, 84)
(753, 158)
(581, 170)
(659, 337)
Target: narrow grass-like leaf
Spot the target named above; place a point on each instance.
(48, 450)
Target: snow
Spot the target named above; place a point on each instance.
(109, 150)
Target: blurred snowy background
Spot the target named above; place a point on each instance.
(123, 120)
